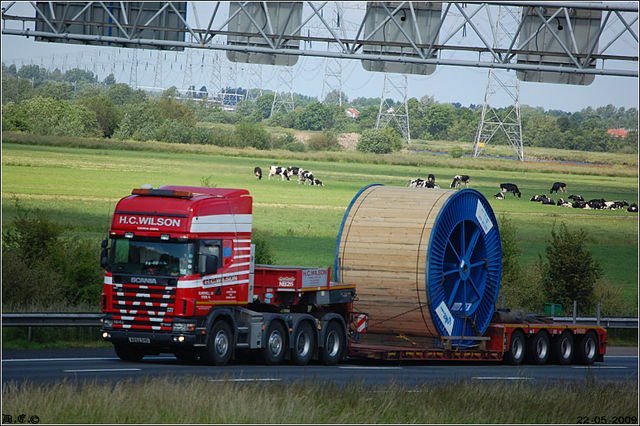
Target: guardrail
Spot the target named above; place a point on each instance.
(93, 320)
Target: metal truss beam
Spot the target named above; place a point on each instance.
(130, 27)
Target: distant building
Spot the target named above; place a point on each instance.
(352, 113)
(622, 133)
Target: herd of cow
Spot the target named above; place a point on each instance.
(573, 201)
(304, 176)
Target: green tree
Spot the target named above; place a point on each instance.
(325, 141)
(313, 117)
(438, 119)
(58, 91)
(16, 90)
(170, 109)
(109, 80)
(250, 134)
(569, 271)
(107, 115)
(120, 93)
(375, 141)
(264, 103)
(174, 131)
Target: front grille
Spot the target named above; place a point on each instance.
(143, 307)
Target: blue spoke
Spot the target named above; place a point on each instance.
(481, 263)
(454, 250)
(462, 238)
(475, 289)
(473, 242)
(453, 292)
(451, 271)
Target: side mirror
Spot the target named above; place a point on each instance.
(104, 258)
(104, 243)
(211, 264)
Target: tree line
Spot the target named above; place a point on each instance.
(76, 103)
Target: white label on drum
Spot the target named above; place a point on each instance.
(483, 218)
(445, 316)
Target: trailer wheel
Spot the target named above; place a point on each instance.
(515, 354)
(331, 352)
(129, 353)
(303, 344)
(273, 352)
(563, 348)
(538, 349)
(220, 343)
(588, 348)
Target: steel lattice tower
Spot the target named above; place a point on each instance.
(508, 120)
(187, 78)
(333, 66)
(215, 83)
(397, 84)
(283, 98)
(133, 77)
(157, 80)
(255, 80)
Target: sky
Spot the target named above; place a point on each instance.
(465, 85)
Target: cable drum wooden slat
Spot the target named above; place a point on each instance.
(426, 262)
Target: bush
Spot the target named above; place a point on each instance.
(264, 252)
(456, 152)
(511, 253)
(375, 141)
(570, 271)
(251, 135)
(324, 141)
(175, 132)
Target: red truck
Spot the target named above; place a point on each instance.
(180, 278)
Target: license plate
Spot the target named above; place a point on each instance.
(139, 340)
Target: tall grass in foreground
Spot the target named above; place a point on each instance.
(189, 400)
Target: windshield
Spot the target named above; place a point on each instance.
(152, 258)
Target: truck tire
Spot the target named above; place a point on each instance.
(331, 351)
(275, 344)
(516, 352)
(563, 348)
(303, 344)
(220, 344)
(538, 350)
(129, 353)
(587, 349)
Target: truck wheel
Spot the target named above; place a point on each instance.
(331, 352)
(515, 354)
(588, 348)
(129, 353)
(273, 352)
(538, 349)
(563, 348)
(303, 344)
(218, 350)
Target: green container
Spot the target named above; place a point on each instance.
(552, 309)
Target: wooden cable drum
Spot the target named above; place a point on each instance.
(426, 263)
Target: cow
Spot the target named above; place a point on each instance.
(579, 205)
(558, 186)
(561, 202)
(258, 172)
(633, 208)
(499, 196)
(616, 204)
(431, 178)
(428, 184)
(415, 183)
(510, 187)
(576, 198)
(538, 198)
(548, 201)
(597, 204)
(459, 179)
(316, 182)
(305, 176)
(275, 170)
(293, 171)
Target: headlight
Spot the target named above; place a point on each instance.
(107, 323)
(181, 327)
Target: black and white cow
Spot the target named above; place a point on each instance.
(558, 186)
(431, 178)
(305, 176)
(633, 208)
(538, 198)
(563, 203)
(597, 204)
(612, 205)
(258, 172)
(578, 204)
(275, 170)
(499, 196)
(293, 171)
(416, 183)
(576, 198)
(510, 187)
(459, 179)
(316, 182)
(428, 184)
(548, 201)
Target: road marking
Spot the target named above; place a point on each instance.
(503, 378)
(597, 366)
(74, 359)
(355, 367)
(245, 380)
(98, 370)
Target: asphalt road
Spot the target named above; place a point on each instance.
(48, 366)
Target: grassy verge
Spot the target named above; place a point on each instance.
(189, 400)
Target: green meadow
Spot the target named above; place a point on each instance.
(81, 186)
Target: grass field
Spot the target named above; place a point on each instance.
(80, 187)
